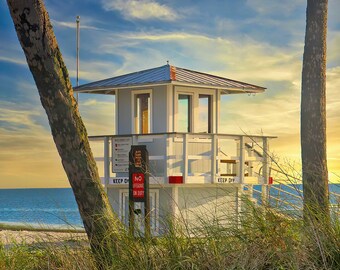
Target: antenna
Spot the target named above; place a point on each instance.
(78, 36)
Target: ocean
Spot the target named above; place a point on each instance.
(39, 207)
(56, 207)
(290, 197)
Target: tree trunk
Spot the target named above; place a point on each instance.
(44, 59)
(313, 113)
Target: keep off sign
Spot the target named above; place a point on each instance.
(138, 190)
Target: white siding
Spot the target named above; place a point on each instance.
(200, 207)
(124, 112)
(160, 116)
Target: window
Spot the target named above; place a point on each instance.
(194, 111)
(184, 113)
(142, 113)
(204, 110)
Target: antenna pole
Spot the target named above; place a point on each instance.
(78, 36)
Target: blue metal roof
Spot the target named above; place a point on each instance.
(168, 74)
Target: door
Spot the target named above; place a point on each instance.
(139, 211)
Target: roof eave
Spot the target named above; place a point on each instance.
(230, 89)
(110, 90)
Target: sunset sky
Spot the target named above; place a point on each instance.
(256, 41)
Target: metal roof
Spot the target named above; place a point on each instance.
(168, 74)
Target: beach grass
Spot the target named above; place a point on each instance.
(260, 239)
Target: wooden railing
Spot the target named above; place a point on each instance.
(196, 158)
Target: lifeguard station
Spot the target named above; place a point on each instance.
(195, 171)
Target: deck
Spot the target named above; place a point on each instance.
(193, 158)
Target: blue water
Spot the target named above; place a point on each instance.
(52, 207)
(293, 199)
(39, 207)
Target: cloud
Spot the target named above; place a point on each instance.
(260, 113)
(26, 143)
(27, 147)
(333, 43)
(12, 60)
(17, 117)
(72, 24)
(12, 53)
(141, 10)
(269, 7)
(91, 70)
(98, 113)
(244, 57)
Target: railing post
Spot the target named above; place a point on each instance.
(167, 162)
(174, 204)
(106, 162)
(239, 192)
(242, 157)
(185, 157)
(213, 157)
(250, 163)
(265, 171)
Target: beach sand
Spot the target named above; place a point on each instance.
(9, 237)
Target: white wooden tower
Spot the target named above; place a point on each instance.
(194, 169)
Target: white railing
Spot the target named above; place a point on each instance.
(196, 158)
(288, 198)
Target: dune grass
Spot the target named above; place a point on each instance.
(260, 239)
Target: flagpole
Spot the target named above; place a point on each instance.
(78, 34)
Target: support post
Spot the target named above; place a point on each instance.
(174, 195)
(106, 162)
(242, 157)
(166, 158)
(238, 203)
(185, 157)
(213, 157)
(250, 163)
(265, 171)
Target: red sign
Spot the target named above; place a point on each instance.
(138, 186)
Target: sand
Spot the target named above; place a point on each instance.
(8, 237)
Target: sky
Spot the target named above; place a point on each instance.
(256, 41)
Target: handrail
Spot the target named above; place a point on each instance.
(294, 206)
(182, 133)
(334, 194)
(286, 192)
(255, 151)
(279, 199)
(290, 187)
(287, 175)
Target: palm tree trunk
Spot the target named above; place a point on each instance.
(313, 112)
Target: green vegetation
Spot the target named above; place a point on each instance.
(260, 239)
